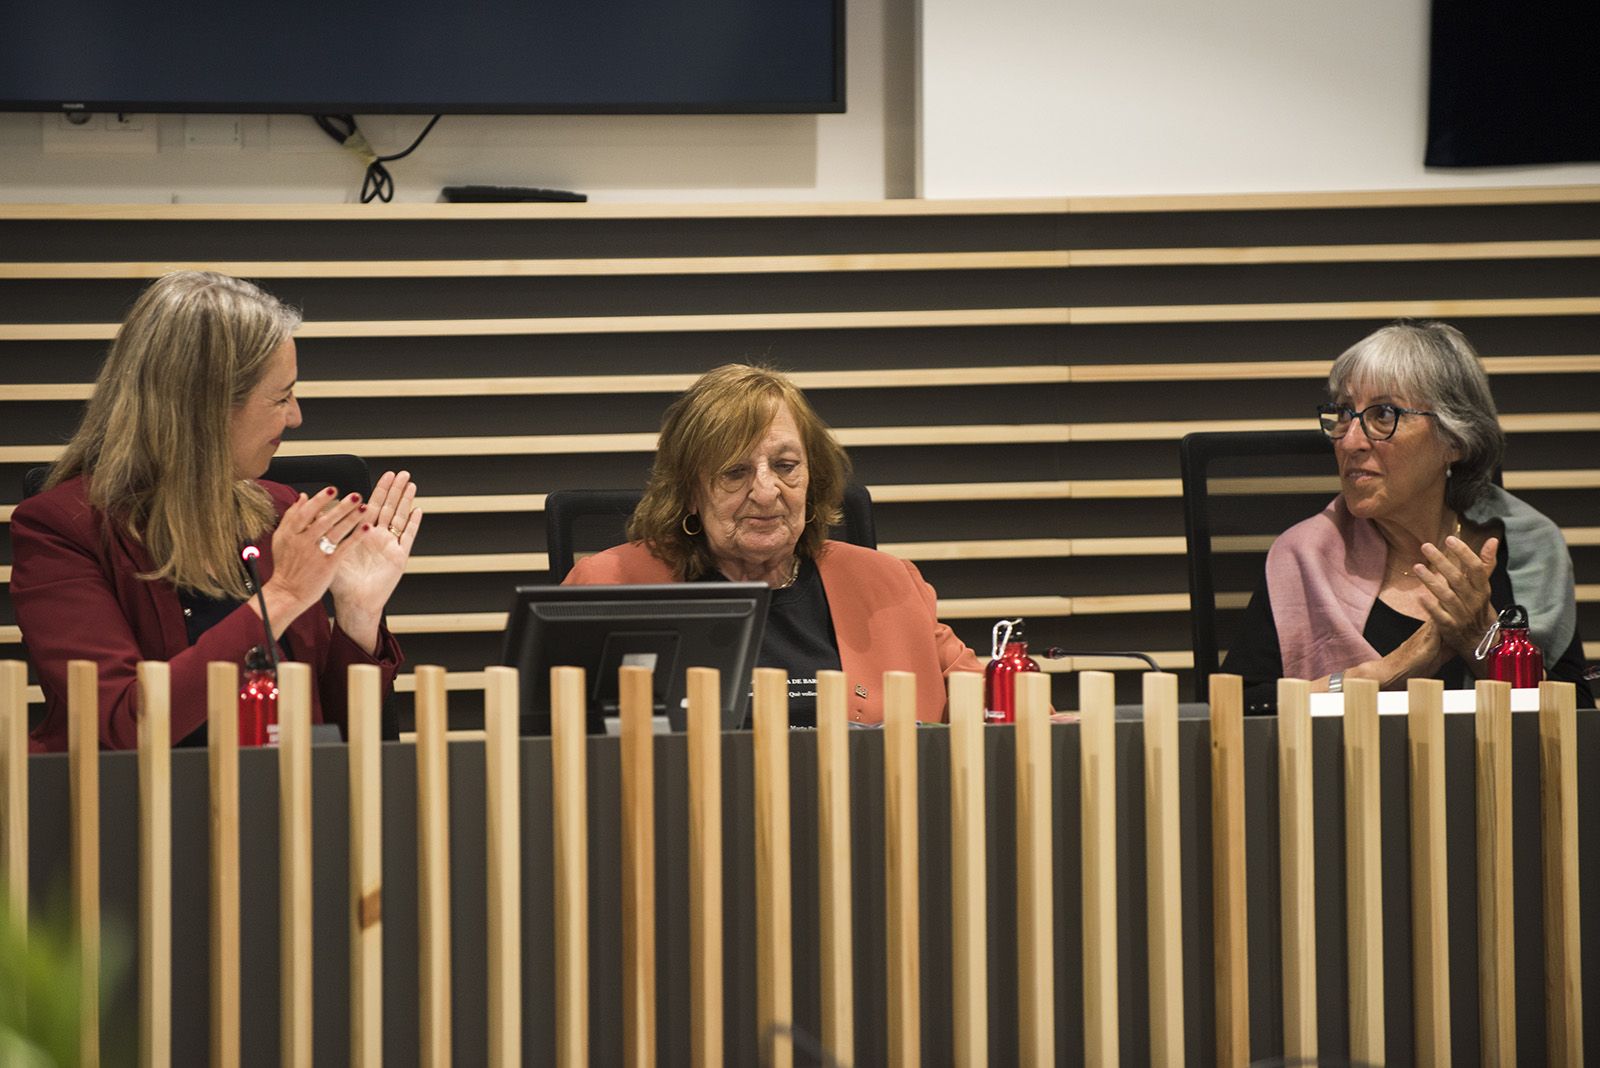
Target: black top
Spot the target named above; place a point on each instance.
(1255, 655)
(799, 639)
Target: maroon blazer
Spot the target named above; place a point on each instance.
(75, 586)
(885, 617)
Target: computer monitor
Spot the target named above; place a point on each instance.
(667, 628)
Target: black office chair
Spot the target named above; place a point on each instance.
(308, 474)
(591, 520)
(1231, 466)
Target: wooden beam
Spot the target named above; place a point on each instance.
(1098, 815)
(155, 863)
(1558, 821)
(1163, 869)
(365, 907)
(503, 839)
(969, 872)
(901, 870)
(1363, 830)
(295, 1004)
(1229, 921)
(834, 909)
(704, 687)
(222, 741)
(1297, 850)
(1036, 937)
(83, 774)
(1497, 991)
(1430, 898)
(638, 867)
(434, 1015)
(569, 810)
(774, 903)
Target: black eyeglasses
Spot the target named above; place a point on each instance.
(1378, 421)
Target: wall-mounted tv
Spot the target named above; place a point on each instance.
(424, 56)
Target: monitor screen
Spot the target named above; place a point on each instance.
(424, 56)
(667, 628)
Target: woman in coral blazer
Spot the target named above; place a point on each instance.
(746, 483)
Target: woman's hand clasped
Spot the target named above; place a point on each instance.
(1456, 597)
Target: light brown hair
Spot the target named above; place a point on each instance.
(154, 445)
(711, 426)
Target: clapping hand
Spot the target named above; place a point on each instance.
(1456, 598)
(373, 556)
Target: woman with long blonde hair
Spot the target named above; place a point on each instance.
(133, 551)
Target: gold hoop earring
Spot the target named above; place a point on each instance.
(812, 518)
(684, 525)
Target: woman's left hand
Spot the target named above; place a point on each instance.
(1456, 581)
(376, 558)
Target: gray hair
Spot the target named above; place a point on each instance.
(1433, 366)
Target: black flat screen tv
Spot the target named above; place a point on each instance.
(424, 56)
(667, 628)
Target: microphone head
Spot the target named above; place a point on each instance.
(250, 553)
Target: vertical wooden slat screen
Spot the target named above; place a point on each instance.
(433, 867)
(774, 948)
(704, 686)
(364, 759)
(14, 792)
(1430, 909)
(836, 961)
(1297, 849)
(902, 913)
(1036, 995)
(83, 753)
(1497, 992)
(503, 834)
(222, 740)
(1558, 818)
(638, 868)
(969, 867)
(1229, 916)
(1363, 829)
(294, 864)
(1163, 868)
(1098, 760)
(155, 863)
(569, 810)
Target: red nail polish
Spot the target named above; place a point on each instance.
(366, 527)
(363, 508)
(330, 491)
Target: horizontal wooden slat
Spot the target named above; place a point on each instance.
(908, 378)
(477, 563)
(1375, 198)
(632, 266)
(1284, 254)
(1084, 489)
(558, 268)
(873, 320)
(1344, 309)
(975, 434)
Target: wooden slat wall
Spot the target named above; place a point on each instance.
(1011, 377)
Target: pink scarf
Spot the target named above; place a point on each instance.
(1323, 577)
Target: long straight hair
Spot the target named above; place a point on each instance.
(154, 445)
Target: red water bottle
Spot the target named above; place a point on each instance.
(1516, 659)
(1009, 657)
(258, 700)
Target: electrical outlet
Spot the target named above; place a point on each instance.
(212, 133)
(99, 135)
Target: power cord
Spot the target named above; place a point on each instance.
(378, 184)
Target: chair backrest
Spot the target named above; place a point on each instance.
(1264, 482)
(309, 474)
(591, 520)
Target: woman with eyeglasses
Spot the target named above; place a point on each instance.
(1403, 574)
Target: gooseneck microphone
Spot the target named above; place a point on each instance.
(1055, 652)
(249, 555)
